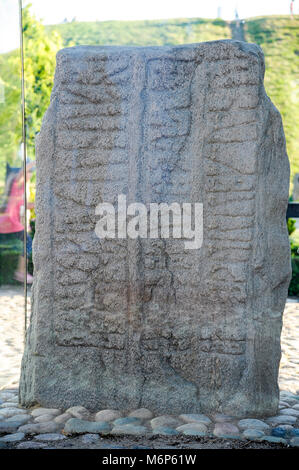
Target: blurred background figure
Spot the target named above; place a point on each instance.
(12, 217)
(292, 8)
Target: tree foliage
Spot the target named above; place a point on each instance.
(40, 49)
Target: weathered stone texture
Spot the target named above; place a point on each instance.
(145, 323)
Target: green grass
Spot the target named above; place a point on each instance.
(278, 36)
(142, 33)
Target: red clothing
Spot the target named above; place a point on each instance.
(10, 220)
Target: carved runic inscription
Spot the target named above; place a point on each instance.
(125, 323)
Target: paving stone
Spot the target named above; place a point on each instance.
(79, 412)
(165, 421)
(31, 445)
(294, 442)
(250, 423)
(251, 433)
(225, 429)
(90, 438)
(281, 419)
(195, 418)
(142, 413)
(50, 437)
(164, 431)
(108, 415)
(45, 411)
(127, 420)
(129, 429)
(193, 429)
(13, 437)
(63, 418)
(80, 426)
(39, 428)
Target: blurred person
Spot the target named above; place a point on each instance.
(292, 8)
(11, 223)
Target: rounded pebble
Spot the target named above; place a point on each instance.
(193, 429)
(8, 412)
(22, 419)
(125, 421)
(253, 433)
(10, 427)
(253, 424)
(8, 405)
(142, 413)
(283, 404)
(61, 419)
(281, 419)
(195, 418)
(80, 426)
(225, 430)
(221, 418)
(292, 401)
(165, 421)
(45, 411)
(39, 428)
(290, 412)
(18, 436)
(164, 431)
(108, 415)
(79, 412)
(279, 432)
(294, 442)
(44, 418)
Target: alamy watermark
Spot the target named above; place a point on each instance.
(153, 221)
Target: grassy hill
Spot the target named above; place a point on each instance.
(142, 33)
(277, 35)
